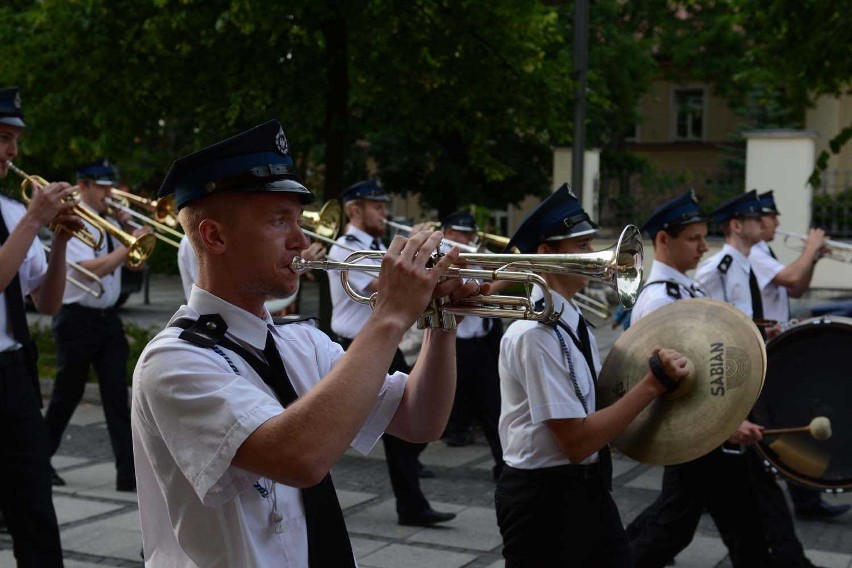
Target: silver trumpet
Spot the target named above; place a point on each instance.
(836, 250)
(619, 267)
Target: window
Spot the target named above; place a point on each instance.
(689, 104)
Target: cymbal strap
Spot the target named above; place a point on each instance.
(660, 373)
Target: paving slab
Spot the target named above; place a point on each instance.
(72, 509)
(829, 559)
(116, 537)
(702, 552)
(473, 528)
(651, 479)
(404, 556)
(349, 499)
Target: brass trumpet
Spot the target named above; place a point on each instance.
(324, 225)
(161, 230)
(619, 267)
(837, 250)
(83, 234)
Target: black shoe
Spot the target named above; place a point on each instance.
(126, 485)
(425, 518)
(822, 511)
(55, 480)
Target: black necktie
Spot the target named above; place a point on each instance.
(107, 236)
(376, 245)
(328, 540)
(15, 300)
(756, 298)
(604, 454)
(772, 252)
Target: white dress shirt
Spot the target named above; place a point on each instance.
(31, 272)
(776, 302)
(348, 316)
(80, 252)
(731, 287)
(657, 295)
(535, 386)
(190, 414)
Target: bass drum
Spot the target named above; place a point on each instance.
(808, 376)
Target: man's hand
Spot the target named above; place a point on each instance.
(747, 433)
(122, 216)
(49, 201)
(817, 244)
(673, 364)
(405, 284)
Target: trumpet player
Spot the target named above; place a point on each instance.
(89, 332)
(238, 418)
(777, 284)
(25, 493)
(553, 500)
(365, 205)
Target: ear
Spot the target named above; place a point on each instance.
(543, 248)
(212, 236)
(662, 239)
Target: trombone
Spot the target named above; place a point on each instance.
(161, 230)
(619, 267)
(96, 292)
(83, 234)
(837, 250)
(164, 209)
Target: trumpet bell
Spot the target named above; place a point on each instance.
(325, 222)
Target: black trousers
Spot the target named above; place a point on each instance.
(559, 516)
(26, 498)
(478, 389)
(785, 548)
(717, 481)
(87, 337)
(402, 457)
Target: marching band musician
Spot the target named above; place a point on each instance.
(477, 349)
(716, 481)
(777, 283)
(553, 499)
(89, 332)
(237, 419)
(365, 206)
(728, 276)
(26, 501)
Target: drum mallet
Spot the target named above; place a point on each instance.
(819, 428)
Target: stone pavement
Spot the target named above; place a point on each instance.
(100, 526)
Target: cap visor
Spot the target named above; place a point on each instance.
(13, 121)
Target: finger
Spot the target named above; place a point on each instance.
(449, 287)
(445, 261)
(396, 245)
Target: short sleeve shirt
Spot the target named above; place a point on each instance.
(79, 252)
(31, 272)
(347, 315)
(656, 293)
(535, 386)
(731, 286)
(191, 412)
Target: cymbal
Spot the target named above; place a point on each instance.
(728, 366)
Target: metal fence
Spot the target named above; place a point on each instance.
(832, 203)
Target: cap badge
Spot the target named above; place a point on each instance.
(17, 100)
(281, 143)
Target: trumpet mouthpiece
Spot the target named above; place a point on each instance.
(820, 428)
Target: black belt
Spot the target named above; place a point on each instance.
(558, 472)
(12, 358)
(102, 312)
